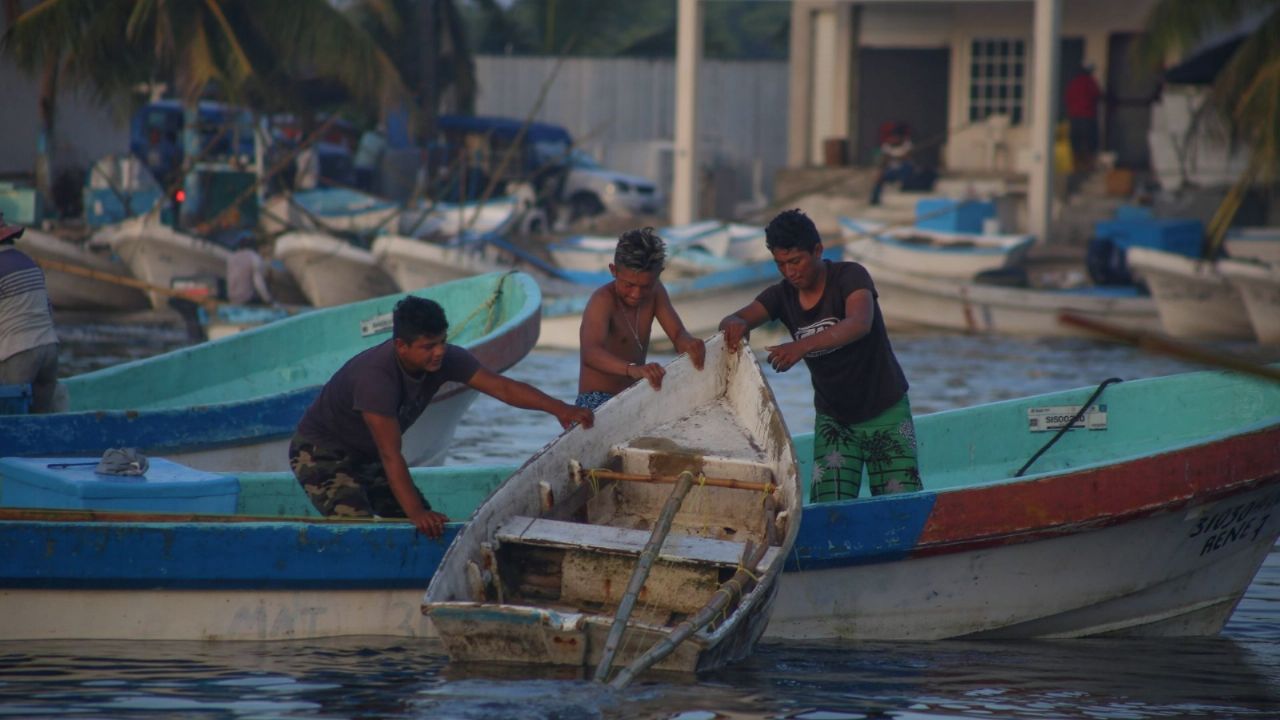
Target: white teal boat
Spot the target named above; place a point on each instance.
(232, 404)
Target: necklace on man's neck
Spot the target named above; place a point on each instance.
(632, 325)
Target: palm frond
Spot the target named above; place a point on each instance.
(1177, 26)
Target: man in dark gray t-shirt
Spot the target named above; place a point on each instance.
(859, 390)
(346, 451)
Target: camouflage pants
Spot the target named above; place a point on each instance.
(342, 483)
(885, 445)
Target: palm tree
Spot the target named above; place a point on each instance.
(427, 41)
(1246, 90)
(246, 49)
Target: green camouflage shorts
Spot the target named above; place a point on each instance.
(342, 483)
(885, 446)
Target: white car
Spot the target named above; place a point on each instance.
(591, 189)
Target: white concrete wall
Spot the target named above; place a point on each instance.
(623, 110)
(84, 130)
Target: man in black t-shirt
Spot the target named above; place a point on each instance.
(346, 451)
(860, 392)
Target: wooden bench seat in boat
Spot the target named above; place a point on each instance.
(624, 541)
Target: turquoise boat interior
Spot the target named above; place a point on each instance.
(296, 352)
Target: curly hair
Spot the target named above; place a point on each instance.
(415, 317)
(641, 250)
(791, 229)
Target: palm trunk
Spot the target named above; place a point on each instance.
(429, 47)
(44, 141)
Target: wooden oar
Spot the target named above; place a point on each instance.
(650, 553)
(1163, 345)
(581, 475)
(126, 281)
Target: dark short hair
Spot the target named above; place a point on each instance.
(415, 317)
(641, 250)
(791, 229)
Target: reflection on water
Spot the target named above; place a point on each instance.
(381, 677)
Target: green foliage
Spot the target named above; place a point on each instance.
(1247, 90)
(639, 28)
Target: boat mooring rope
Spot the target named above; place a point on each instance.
(1062, 430)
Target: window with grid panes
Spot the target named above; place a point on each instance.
(997, 78)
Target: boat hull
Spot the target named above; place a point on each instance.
(250, 389)
(331, 271)
(1193, 299)
(1259, 288)
(956, 256)
(74, 291)
(156, 254)
(912, 300)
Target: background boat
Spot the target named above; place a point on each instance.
(1259, 286)
(910, 299)
(72, 290)
(327, 210)
(933, 253)
(233, 404)
(1193, 299)
(331, 271)
(156, 254)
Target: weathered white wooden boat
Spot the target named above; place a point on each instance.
(330, 270)
(327, 210)
(103, 287)
(545, 566)
(233, 404)
(1259, 286)
(1151, 521)
(1193, 299)
(1256, 243)
(693, 249)
(415, 263)
(933, 253)
(908, 299)
(441, 221)
(747, 243)
(156, 253)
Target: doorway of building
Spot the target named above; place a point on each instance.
(1131, 87)
(903, 85)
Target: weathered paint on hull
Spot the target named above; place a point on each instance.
(211, 614)
(1006, 592)
(956, 256)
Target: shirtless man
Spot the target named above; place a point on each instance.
(616, 323)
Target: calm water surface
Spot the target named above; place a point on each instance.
(1236, 675)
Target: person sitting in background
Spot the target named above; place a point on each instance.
(895, 160)
(614, 335)
(28, 343)
(247, 274)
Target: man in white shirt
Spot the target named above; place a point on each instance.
(28, 344)
(247, 274)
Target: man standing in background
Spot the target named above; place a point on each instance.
(28, 344)
(1081, 99)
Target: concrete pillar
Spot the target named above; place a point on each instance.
(684, 191)
(1044, 111)
(800, 89)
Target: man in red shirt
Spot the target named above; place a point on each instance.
(1082, 96)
